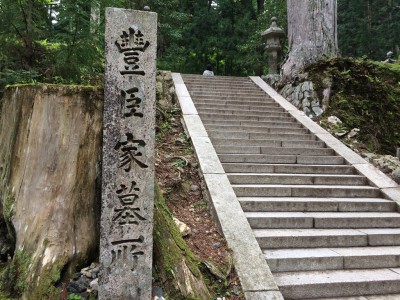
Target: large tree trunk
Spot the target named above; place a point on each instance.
(312, 29)
(49, 154)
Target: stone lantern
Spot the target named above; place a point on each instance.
(273, 37)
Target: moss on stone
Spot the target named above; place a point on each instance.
(48, 278)
(170, 248)
(14, 277)
(365, 95)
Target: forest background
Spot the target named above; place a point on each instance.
(62, 41)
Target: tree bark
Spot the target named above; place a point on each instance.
(312, 30)
(49, 156)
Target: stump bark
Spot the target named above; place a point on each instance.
(49, 155)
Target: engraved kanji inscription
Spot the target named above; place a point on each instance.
(127, 215)
(129, 152)
(132, 103)
(125, 253)
(131, 45)
(128, 196)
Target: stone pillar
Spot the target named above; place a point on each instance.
(126, 240)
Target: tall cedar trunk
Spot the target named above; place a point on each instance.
(312, 30)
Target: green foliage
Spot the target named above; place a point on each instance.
(8, 76)
(13, 278)
(366, 96)
(74, 297)
(225, 33)
(368, 27)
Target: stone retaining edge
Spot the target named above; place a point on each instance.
(252, 268)
(388, 187)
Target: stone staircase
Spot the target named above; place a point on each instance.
(325, 231)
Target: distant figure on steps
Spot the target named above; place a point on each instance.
(208, 71)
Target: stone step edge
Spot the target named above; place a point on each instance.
(339, 283)
(332, 258)
(389, 188)
(255, 275)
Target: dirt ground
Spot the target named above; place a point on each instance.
(177, 172)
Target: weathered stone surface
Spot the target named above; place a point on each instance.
(126, 239)
(49, 156)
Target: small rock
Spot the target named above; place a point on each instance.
(354, 132)
(95, 272)
(76, 276)
(195, 231)
(396, 175)
(94, 284)
(94, 265)
(158, 292)
(194, 187)
(307, 111)
(87, 274)
(317, 110)
(76, 287)
(180, 140)
(235, 290)
(183, 228)
(217, 245)
(334, 120)
(341, 133)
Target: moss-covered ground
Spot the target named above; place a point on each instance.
(365, 95)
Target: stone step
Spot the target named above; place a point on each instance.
(287, 168)
(268, 143)
(281, 159)
(306, 259)
(323, 220)
(269, 124)
(242, 98)
(296, 179)
(218, 86)
(272, 112)
(219, 116)
(301, 204)
(221, 82)
(372, 297)
(337, 191)
(318, 238)
(241, 107)
(204, 80)
(229, 93)
(338, 283)
(273, 150)
(205, 101)
(198, 80)
(261, 136)
(257, 129)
